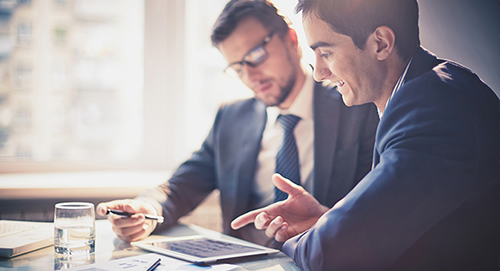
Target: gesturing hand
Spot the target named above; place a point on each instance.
(285, 219)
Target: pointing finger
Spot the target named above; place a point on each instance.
(244, 219)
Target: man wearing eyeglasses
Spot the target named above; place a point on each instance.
(334, 143)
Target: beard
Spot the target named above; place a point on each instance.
(283, 93)
(286, 89)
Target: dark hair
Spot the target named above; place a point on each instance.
(237, 10)
(359, 18)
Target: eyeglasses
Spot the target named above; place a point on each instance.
(253, 58)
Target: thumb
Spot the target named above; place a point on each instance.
(101, 209)
(286, 185)
(131, 208)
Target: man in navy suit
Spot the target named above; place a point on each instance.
(335, 142)
(431, 201)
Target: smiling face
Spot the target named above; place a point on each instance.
(279, 78)
(359, 74)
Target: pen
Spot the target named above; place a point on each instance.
(153, 265)
(122, 213)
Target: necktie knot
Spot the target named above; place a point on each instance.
(288, 122)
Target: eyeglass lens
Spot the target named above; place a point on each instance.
(253, 58)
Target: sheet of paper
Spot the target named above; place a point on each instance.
(139, 263)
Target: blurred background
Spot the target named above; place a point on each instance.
(133, 85)
(93, 84)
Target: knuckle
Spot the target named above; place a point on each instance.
(259, 225)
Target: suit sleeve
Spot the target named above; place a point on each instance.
(428, 169)
(189, 185)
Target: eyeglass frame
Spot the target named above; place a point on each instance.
(254, 64)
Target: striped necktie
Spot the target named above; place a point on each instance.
(287, 159)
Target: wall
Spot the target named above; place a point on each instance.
(466, 31)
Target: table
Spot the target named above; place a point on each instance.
(109, 247)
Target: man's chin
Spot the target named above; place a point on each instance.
(269, 101)
(347, 101)
(351, 102)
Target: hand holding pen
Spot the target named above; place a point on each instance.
(132, 220)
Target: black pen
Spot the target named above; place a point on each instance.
(125, 214)
(153, 265)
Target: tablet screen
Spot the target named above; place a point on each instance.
(203, 247)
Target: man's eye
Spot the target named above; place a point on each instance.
(325, 55)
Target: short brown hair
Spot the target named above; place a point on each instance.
(359, 18)
(237, 10)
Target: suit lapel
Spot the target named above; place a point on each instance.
(326, 115)
(253, 125)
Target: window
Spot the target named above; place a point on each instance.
(71, 82)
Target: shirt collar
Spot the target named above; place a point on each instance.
(399, 84)
(301, 106)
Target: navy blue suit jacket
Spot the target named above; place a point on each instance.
(432, 200)
(227, 159)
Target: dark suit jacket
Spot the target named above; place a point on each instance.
(343, 148)
(432, 200)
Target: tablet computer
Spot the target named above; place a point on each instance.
(202, 249)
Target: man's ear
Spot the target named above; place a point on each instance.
(383, 42)
(292, 37)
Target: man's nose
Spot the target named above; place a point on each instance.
(321, 71)
(321, 74)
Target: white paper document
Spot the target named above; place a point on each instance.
(141, 262)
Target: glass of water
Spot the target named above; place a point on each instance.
(74, 228)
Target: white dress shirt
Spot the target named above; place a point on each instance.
(273, 137)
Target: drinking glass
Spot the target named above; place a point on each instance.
(74, 228)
